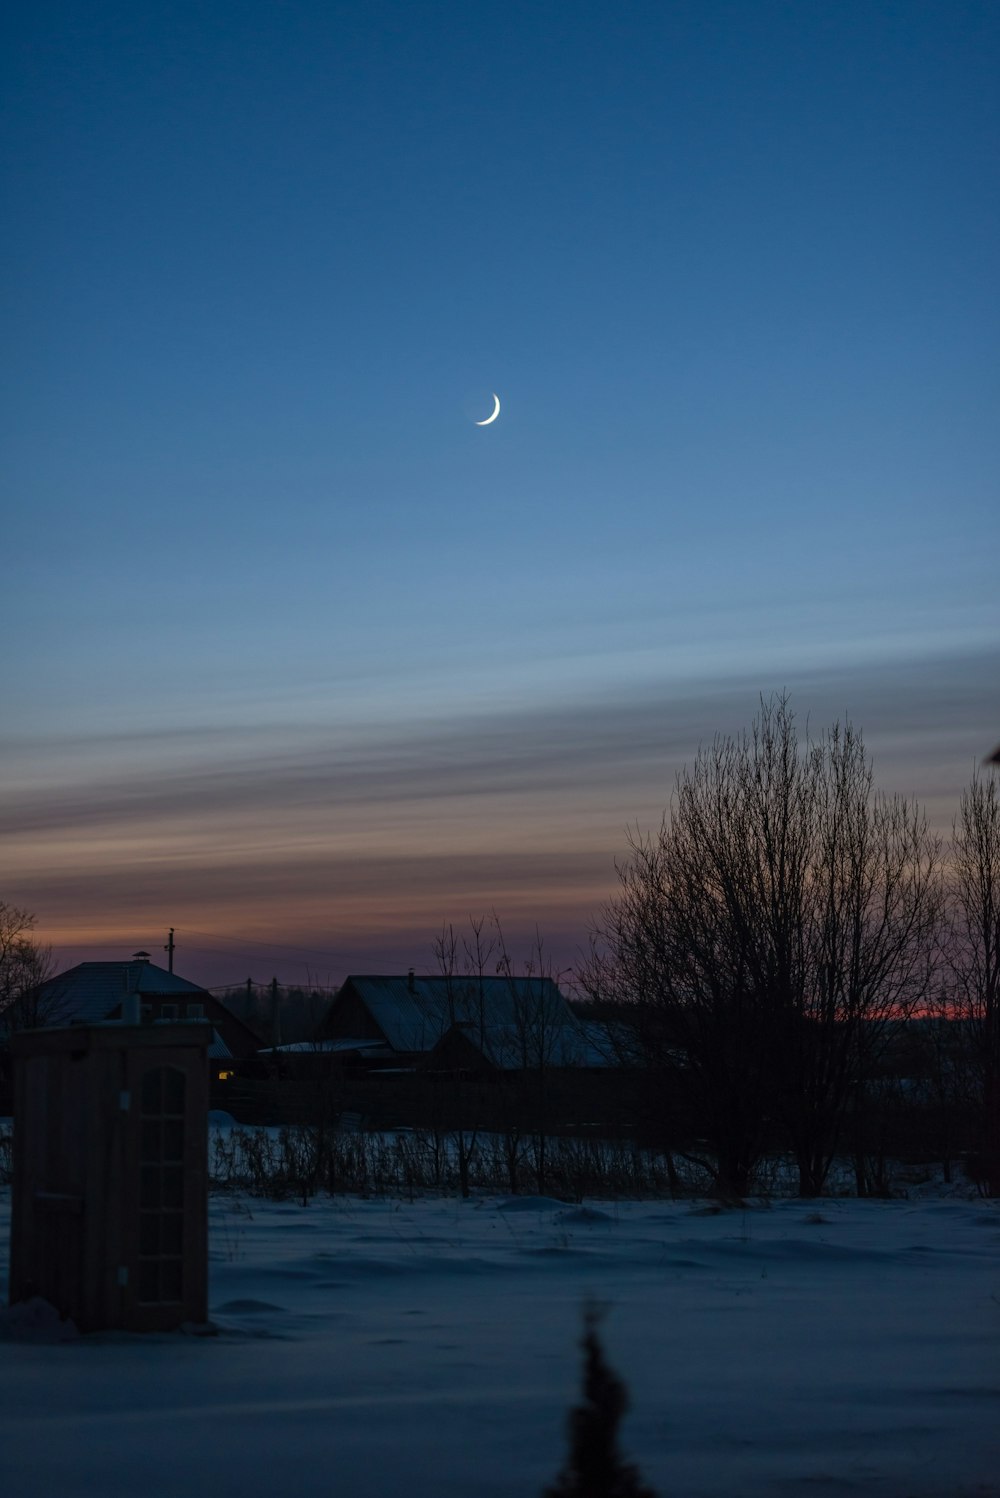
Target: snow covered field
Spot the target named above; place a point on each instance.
(429, 1348)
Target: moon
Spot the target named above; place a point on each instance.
(496, 412)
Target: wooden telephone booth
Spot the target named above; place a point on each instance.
(110, 1205)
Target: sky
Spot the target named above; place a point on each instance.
(302, 661)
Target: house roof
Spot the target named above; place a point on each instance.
(413, 1013)
(325, 1047)
(516, 1048)
(217, 1048)
(91, 991)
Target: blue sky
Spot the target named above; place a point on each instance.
(731, 269)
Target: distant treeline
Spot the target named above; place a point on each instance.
(278, 1014)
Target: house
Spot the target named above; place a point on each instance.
(399, 1020)
(93, 992)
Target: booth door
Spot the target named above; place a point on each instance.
(160, 1278)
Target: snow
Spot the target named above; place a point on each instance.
(430, 1347)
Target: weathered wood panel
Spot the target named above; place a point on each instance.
(80, 1132)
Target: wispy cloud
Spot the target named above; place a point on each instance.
(336, 833)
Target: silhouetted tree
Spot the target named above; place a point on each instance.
(534, 1038)
(595, 1467)
(974, 960)
(772, 934)
(25, 1001)
(466, 998)
(872, 908)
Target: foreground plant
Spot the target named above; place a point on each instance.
(595, 1467)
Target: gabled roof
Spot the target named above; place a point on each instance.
(413, 1013)
(217, 1048)
(91, 991)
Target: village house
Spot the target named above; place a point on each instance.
(403, 1021)
(93, 992)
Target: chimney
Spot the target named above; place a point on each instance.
(132, 1002)
(411, 982)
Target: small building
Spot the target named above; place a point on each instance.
(400, 1019)
(109, 1215)
(94, 992)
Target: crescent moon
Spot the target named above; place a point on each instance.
(496, 412)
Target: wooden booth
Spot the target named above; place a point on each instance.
(110, 1192)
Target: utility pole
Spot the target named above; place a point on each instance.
(275, 1014)
(169, 949)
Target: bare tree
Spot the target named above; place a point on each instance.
(771, 933)
(536, 1039)
(974, 960)
(24, 968)
(466, 998)
(872, 917)
(694, 940)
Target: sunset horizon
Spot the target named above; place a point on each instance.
(521, 817)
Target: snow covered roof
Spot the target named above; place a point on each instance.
(525, 1047)
(324, 1047)
(413, 1013)
(217, 1050)
(91, 991)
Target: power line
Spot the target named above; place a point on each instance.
(210, 953)
(242, 983)
(275, 946)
